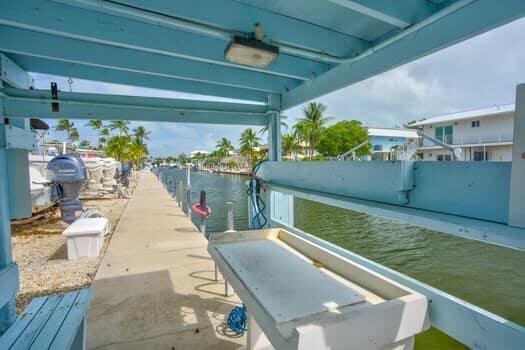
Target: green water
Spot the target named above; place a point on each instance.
(488, 276)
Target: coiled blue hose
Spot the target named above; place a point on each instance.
(238, 319)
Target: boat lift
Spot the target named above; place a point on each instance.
(200, 46)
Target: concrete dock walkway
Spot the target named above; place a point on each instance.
(155, 288)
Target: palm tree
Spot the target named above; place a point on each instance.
(137, 152)
(141, 133)
(96, 124)
(300, 132)
(65, 125)
(248, 141)
(313, 120)
(103, 137)
(224, 146)
(289, 145)
(121, 125)
(283, 125)
(74, 135)
(118, 147)
(182, 159)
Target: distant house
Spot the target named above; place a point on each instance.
(482, 135)
(198, 153)
(387, 140)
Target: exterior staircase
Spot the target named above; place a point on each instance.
(406, 151)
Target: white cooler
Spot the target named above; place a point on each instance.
(85, 237)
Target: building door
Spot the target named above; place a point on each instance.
(445, 134)
(448, 131)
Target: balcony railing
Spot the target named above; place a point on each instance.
(472, 139)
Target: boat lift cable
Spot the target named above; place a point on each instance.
(238, 317)
(255, 186)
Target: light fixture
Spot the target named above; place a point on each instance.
(251, 52)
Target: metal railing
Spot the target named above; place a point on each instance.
(472, 139)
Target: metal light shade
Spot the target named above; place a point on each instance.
(251, 52)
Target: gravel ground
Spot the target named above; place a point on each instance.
(40, 252)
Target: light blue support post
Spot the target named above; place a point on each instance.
(15, 196)
(274, 128)
(18, 172)
(274, 137)
(517, 178)
(7, 311)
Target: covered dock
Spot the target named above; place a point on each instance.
(247, 61)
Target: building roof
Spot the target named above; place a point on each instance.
(390, 132)
(192, 153)
(476, 113)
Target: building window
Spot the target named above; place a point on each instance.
(378, 147)
(444, 157)
(481, 156)
(444, 134)
(475, 123)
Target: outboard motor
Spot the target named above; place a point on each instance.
(68, 174)
(125, 172)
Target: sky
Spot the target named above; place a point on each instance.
(477, 73)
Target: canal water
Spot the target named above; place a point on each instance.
(488, 276)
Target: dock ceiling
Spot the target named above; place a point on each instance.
(324, 45)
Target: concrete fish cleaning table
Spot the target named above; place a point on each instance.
(301, 296)
(155, 287)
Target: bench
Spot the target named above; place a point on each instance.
(50, 322)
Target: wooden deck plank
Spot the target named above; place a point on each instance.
(55, 321)
(22, 321)
(36, 324)
(73, 321)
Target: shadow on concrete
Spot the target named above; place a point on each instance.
(203, 257)
(158, 310)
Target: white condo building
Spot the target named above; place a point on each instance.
(483, 134)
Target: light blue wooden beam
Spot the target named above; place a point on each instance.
(75, 70)
(26, 42)
(77, 23)
(471, 325)
(477, 190)
(399, 14)
(13, 75)
(479, 230)
(459, 21)
(21, 103)
(241, 17)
